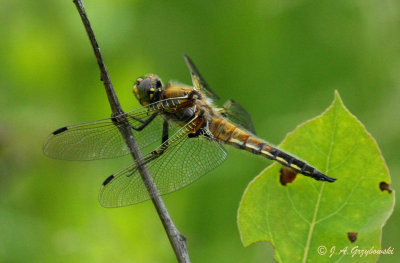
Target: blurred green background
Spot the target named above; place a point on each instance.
(282, 60)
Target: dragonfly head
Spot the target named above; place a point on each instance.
(148, 89)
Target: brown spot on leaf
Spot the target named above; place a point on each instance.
(287, 175)
(352, 236)
(385, 187)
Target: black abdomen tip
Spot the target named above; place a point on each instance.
(63, 129)
(108, 180)
(322, 177)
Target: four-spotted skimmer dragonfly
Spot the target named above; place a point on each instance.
(181, 133)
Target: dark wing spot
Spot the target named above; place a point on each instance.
(63, 129)
(352, 236)
(385, 187)
(287, 175)
(108, 180)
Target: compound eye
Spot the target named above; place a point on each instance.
(135, 90)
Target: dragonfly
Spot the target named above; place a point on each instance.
(181, 133)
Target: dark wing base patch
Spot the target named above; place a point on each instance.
(198, 80)
(235, 112)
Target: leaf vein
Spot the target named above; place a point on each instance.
(295, 209)
(312, 225)
(269, 228)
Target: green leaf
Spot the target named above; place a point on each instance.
(306, 214)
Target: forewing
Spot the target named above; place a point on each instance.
(183, 162)
(198, 80)
(235, 112)
(101, 139)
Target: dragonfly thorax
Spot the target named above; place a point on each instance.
(148, 89)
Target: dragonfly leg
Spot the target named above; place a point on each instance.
(137, 119)
(164, 137)
(154, 155)
(164, 141)
(143, 123)
(164, 146)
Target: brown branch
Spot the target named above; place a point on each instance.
(177, 241)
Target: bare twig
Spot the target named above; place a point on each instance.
(177, 241)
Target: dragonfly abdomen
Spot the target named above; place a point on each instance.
(230, 134)
(285, 159)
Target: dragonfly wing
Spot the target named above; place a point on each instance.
(235, 112)
(87, 141)
(101, 139)
(198, 80)
(183, 162)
